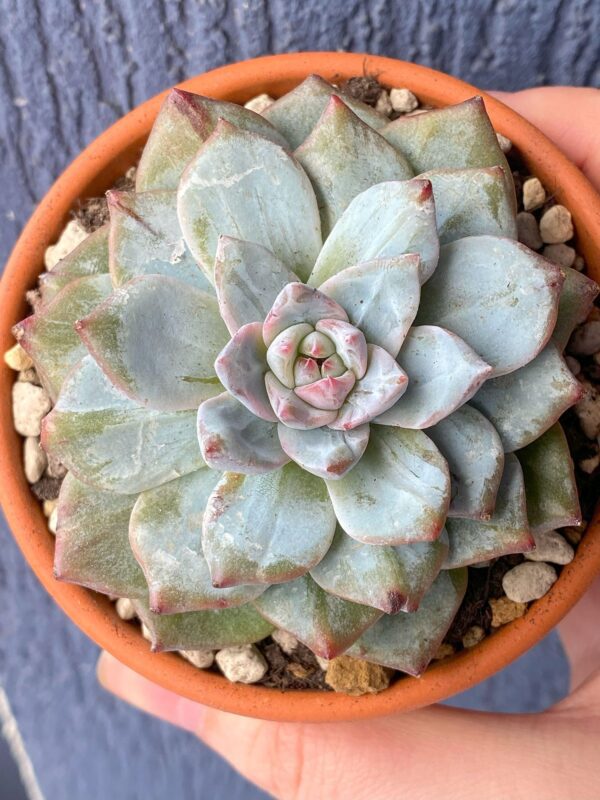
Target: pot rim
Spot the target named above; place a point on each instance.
(94, 171)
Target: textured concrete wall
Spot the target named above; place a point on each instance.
(69, 68)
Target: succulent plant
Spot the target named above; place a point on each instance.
(305, 376)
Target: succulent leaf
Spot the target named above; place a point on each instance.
(323, 451)
(575, 303)
(248, 278)
(443, 373)
(497, 295)
(92, 541)
(506, 531)
(88, 258)
(233, 439)
(290, 409)
(383, 383)
(381, 298)
(49, 336)
(343, 156)
(240, 184)
(203, 630)
(408, 642)
(327, 393)
(552, 496)
(350, 344)
(471, 446)
(145, 239)
(398, 493)
(266, 528)
(283, 351)
(110, 442)
(183, 123)
(385, 221)
(297, 303)
(472, 202)
(165, 534)
(421, 563)
(323, 622)
(297, 112)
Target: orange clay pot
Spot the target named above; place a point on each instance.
(95, 171)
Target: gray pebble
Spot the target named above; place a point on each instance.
(528, 230)
(259, 103)
(588, 411)
(203, 659)
(243, 664)
(504, 142)
(528, 581)
(585, 341)
(30, 406)
(561, 254)
(556, 225)
(383, 104)
(551, 546)
(573, 365)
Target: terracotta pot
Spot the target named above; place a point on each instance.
(93, 172)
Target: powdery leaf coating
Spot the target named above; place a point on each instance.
(242, 185)
(297, 112)
(575, 303)
(203, 630)
(111, 442)
(324, 452)
(398, 493)
(266, 528)
(525, 403)
(297, 303)
(552, 496)
(49, 336)
(381, 298)
(248, 278)
(328, 393)
(385, 221)
(157, 339)
(88, 258)
(184, 122)
(283, 351)
(329, 157)
(145, 239)
(350, 343)
(233, 439)
(471, 446)
(165, 532)
(443, 373)
(408, 642)
(294, 412)
(326, 624)
(506, 531)
(92, 544)
(497, 295)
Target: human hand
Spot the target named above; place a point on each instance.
(436, 751)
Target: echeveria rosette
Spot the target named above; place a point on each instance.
(305, 376)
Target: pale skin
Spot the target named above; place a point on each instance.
(438, 751)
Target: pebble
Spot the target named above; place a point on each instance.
(528, 230)
(588, 411)
(53, 521)
(29, 376)
(243, 664)
(534, 194)
(17, 358)
(573, 535)
(203, 659)
(55, 468)
(259, 103)
(73, 234)
(561, 254)
(356, 677)
(322, 662)
(504, 142)
(403, 101)
(585, 341)
(34, 459)
(125, 609)
(417, 111)
(445, 650)
(551, 546)
(285, 640)
(146, 632)
(589, 465)
(556, 225)
(473, 636)
(579, 264)
(573, 365)
(383, 104)
(49, 506)
(528, 581)
(505, 610)
(30, 405)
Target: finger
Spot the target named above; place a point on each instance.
(580, 634)
(569, 116)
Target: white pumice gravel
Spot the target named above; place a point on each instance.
(243, 664)
(30, 405)
(73, 234)
(34, 459)
(551, 546)
(556, 225)
(125, 609)
(528, 230)
(403, 101)
(504, 142)
(53, 521)
(585, 341)
(573, 365)
(146, 633)
(561, 254)
(29, 376)
(259, 103)
(16, 358)
(285, 640)
(203, 659)
(534, 194)
(383, 104)
(528, 581)
(588, 411)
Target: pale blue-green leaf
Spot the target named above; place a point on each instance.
(88, 258)
(575, 303)
(283, 352)
(297, 303)
(350, 343)
(294, 412)
(323, 451)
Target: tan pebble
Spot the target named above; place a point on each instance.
(202, 659)
(259, 103)
(505, 610)
(473, 636)
(534, 194)
(49, 506)
(30, 405)
(383, 104)
(285, 640)
(298, 671)
(16, 358)
(125, 609)
(53, 521)
(528, 230)
(29, 376)
(403, 101)
(445, 650)
(356, 677)
(73, 234)
(589, 465)
(504, 142)
(34, 459)
(561, 254)
(551, 546)
(588, 411)
(528, 581)
(556, 225)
